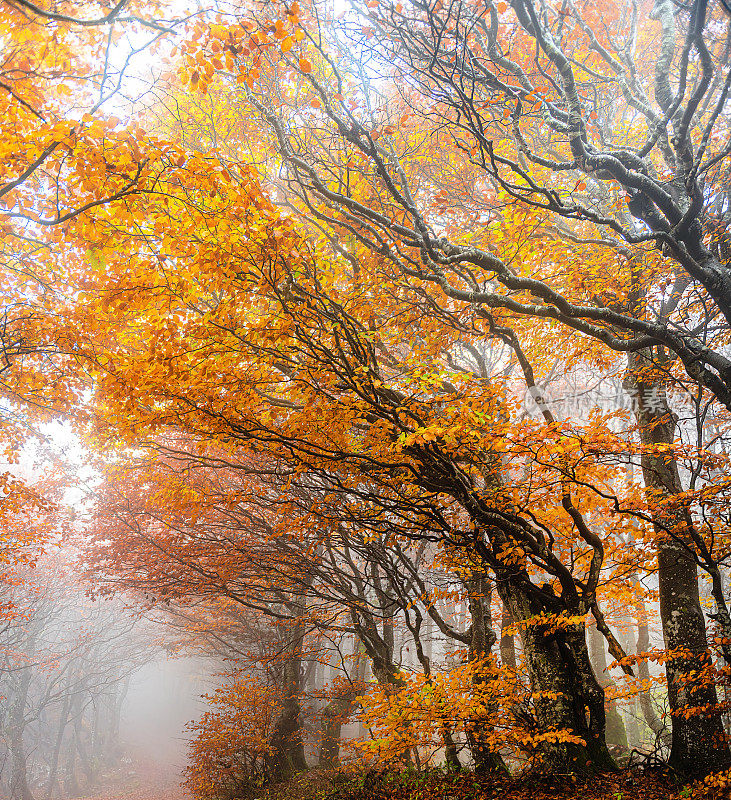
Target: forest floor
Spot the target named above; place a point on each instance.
(142, 776)
(437, 785)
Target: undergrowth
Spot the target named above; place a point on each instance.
(440, 785)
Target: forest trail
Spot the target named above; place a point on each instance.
(144, 776)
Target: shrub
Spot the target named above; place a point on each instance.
(230, 744)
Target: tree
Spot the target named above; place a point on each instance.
(61, 155)
(430, 445)
(536, 78)
(182, 539)
(368, 339)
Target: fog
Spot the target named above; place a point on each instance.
(162, 697)
(91, 703)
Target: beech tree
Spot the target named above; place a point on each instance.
(437, 440)
(198, 544)
(62, 154)
(441, 209)
(553, 109)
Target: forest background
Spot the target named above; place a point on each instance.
(380, 352)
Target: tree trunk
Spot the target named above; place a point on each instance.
(507, 642)
(567, 696)
(287, 749)
(53, 764)
(335, 713)
(483, 638)
(71, 783)
(19, 789)
(84, 756)
(616, 734)
(656, 725)
(116, 720)
(698, 745)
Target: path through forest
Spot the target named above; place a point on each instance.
(162, 698)
(144, 776)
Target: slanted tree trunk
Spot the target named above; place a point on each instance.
(286, 745)
(116, 719)
(699, 744)
(53, 764)
(379, 646)
(19, 788)
(616, 734)
(337, 711)
(567, 698)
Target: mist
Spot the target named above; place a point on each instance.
(162, 698)
(92, 702)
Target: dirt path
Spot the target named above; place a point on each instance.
(144, 777)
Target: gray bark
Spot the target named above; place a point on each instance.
(483, 639)
(698, 743)
(567, 695)
(287, 748)
(656, 725)
(507, 642)
(616, 734)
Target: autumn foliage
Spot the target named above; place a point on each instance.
(397, 341)
(230, 744)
